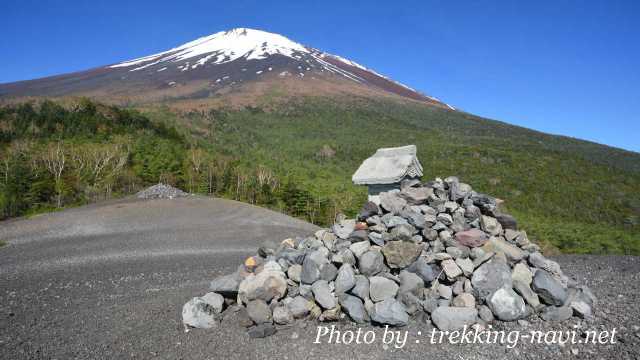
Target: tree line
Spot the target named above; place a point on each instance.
(54, 156)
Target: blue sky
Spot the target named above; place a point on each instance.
(563, 67)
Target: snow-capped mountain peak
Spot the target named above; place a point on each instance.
(223, 47)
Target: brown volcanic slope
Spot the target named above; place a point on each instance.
(216, 65)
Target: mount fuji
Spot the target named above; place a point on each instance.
(218, 65)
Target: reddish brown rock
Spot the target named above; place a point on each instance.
(472, 238)
(361, 226)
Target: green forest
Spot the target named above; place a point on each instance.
(298, 158)
(54, 157)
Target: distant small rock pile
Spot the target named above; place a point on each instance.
(161, 191)
(438, 249)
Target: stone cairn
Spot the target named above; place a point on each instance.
(439, 250)
(161, 191)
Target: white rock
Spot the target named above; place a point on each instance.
(451, 269)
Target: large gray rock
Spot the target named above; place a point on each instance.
(490, 277)
(410, 282)
(371, 263)
(328, 272)
(453, 318)
(270, 283)
(320, 256)
(499, 245)
(344, 228)
(215, 301)
(549, 289)
(391, 221)
(359, 248)
(392, 202)
(428, 272)
(415, 218)
(226, 285)
(400, 254)
(416, 195)
(381, 288)
(259, 311)
(345, 280)
(506, 305)
(391, 312)
(376, 238)
(310, 271)
(344, 256)
(403, 232)
(294, 272)
(323, 295)
(291, 256)
(198, 314)
(299, 307)
(354, 307)
(472, 238)
(361, 288)
(539, 261)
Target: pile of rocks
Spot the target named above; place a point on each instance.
(161, 191)
(439, 250)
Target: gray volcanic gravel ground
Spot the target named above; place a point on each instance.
(108, 281)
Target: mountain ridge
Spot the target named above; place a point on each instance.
(214, 64)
